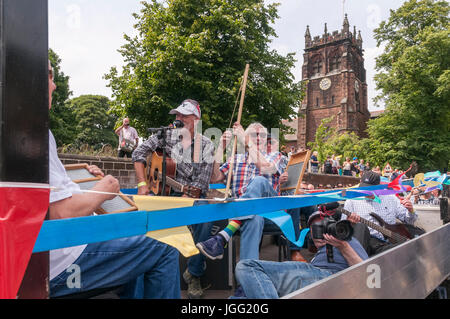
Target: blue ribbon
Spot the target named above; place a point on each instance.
(69, 232)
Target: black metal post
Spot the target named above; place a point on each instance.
(24, 111)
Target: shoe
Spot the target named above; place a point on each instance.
(194, 290)
(238, 293)
(296, 256)
(212, 248)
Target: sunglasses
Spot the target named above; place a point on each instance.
(261, 135)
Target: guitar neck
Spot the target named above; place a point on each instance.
(384, 231)
(172, 183)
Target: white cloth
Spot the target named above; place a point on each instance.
(60, 259)
(389, 209)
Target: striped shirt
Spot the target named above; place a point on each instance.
(244, 171)
(189, 172)
(389, 210)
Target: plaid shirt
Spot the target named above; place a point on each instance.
(389, 209)
(244, 171)
(188, 172)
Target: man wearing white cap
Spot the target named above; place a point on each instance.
(194, 156)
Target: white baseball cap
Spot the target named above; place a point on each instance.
(188, 107)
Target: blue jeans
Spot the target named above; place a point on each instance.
(270, 280)
(200, 232)
(252, 226)
(121, 262)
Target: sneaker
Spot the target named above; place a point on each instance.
(212, 248)
(194, 290)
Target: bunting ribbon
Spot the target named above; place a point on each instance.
(23, 208)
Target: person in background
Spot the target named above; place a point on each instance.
(314, 162)
(347, 167)
(128, 139)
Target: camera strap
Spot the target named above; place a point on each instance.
(330, 257)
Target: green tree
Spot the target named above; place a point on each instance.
(323, 133)
(344, 145)
(62, 121)
(198, 49)
(95, 124)
(414, 80)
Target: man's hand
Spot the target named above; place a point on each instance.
(108, 184)
(333, 241)
(238, 130)
(284, 177)
(94, 170)
(408, 205)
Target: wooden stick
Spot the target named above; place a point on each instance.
(233, 153)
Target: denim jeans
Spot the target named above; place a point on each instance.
(270, 280)
(252, 226)
(200, 232)
(121, 262)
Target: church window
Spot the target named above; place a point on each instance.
(335, 63)
(317, 67)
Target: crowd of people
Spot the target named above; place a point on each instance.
(146, 268)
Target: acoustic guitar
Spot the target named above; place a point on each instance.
(155, 177)
(397, 233)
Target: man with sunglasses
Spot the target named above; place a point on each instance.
(256, 173)
(128, 139)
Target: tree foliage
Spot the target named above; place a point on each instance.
(62, 121)
(414, 80)
(95, 126)
(198, 49)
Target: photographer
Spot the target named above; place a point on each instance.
(268, 279)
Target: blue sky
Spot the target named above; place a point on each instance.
(86, 34)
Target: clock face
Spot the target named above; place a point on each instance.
(325, 84)
(356, 86)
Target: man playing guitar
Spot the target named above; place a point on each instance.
(194, 157)
(388, 210)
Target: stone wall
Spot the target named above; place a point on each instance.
(120, 168)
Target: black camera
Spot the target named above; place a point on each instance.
(341, 230)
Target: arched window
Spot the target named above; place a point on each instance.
(335, 62)
(317, 66)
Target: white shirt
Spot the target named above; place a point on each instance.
(129, 133)
(389, 209)
(60, 259)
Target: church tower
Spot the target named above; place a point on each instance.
(336, 83)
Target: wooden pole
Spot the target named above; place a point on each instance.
(233, 153)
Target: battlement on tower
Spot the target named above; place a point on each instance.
(344, 34)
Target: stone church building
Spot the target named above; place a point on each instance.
(336, 83)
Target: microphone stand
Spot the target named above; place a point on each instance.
(162, 136)
(161, 133)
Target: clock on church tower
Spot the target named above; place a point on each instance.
(336, 83)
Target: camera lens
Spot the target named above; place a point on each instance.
(342, 230)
